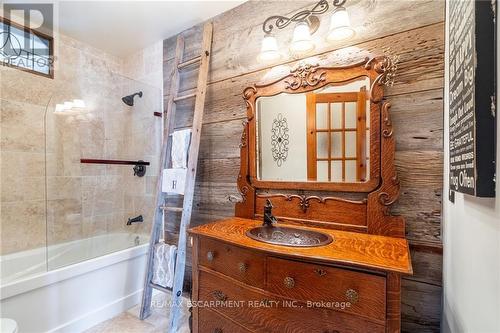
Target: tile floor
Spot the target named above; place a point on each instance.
(129, 322)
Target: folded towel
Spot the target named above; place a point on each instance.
(180, 146)
(173, 181)
(164, 264)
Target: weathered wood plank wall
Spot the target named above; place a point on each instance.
(414, 30)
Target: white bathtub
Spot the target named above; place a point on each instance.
(80, 288)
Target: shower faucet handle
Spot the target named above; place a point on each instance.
(136, 219)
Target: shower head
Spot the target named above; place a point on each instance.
(129, 100)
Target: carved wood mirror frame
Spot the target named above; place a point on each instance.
(370, 215)
(306, 79)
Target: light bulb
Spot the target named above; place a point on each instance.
(269, 49)
(340, 25)
(301, 42)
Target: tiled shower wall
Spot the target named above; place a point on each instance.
(41, 159)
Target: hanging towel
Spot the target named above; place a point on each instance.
(174, 181)
(164, 264)
(180, 146)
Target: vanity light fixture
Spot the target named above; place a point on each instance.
(340, 25)
(307, 23)
(269, 50)
(301, 42)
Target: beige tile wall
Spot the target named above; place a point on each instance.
(44, 187)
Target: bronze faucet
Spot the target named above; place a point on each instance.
(269, 219)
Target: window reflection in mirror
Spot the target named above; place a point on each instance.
(322, 135)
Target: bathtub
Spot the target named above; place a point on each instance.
(77, 287)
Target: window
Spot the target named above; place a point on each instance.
(337, 147)
(26, 49)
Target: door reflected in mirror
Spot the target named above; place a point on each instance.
(318, 136)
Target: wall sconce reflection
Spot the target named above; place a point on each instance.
(70, 106)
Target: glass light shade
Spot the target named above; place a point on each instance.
(269, 49)
(301, 42)
(340, 25)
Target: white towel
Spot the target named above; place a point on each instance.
(174, 181)
(164, 264)
(180, 146)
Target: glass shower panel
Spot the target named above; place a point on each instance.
(22, 175)
(88, 204)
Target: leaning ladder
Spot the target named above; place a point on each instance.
(180, 263)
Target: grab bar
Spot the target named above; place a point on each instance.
(139, 166)
(94, 161)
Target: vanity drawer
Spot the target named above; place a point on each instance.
(238, 263)
(212, 322)
(366, 293)
(259, 311)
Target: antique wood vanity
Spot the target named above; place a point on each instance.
(317, 153)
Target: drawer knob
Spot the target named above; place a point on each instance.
(217, 330)
(210, 256)
(219, 295)
(289, 282)
(242, 267)
(352, 295)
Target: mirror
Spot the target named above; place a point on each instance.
(321, 135)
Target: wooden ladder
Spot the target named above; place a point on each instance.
(187, 205)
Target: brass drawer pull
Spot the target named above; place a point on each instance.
(352, 295)
(219, 295)
(210, 256)
(320, 272)
(289, 282)
(218, 330)
(242, 267)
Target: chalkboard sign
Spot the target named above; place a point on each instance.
(472, 92)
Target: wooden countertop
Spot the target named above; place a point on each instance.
(356, 249)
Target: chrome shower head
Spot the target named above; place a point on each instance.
(129, 100)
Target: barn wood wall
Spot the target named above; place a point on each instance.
(412, 30)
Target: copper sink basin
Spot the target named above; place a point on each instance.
(288, 236)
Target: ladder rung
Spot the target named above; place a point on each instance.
(189, 62)
(172, 209)
(180, 98)
(180, 129)
(160, 288)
